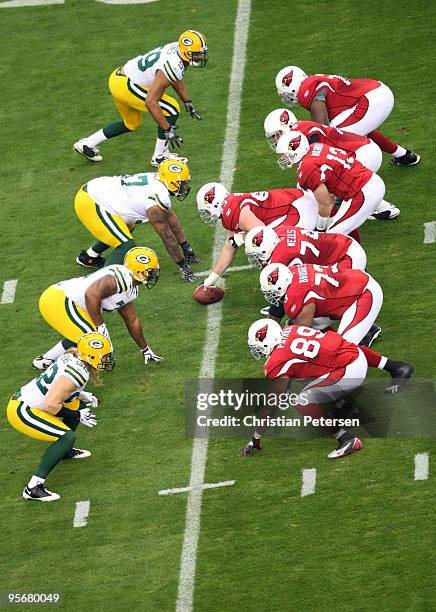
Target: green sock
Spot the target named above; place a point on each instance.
(117, 255)
(115, 129)
(55, 453)
(99, 247)
(68, 344)
(172, 119)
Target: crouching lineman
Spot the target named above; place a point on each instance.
(75, 306)
(329, 170)
(334, 366)
(111, 206)
(307, 291)
(240, 212)
(51, 406)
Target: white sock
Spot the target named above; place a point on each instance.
(35, 480)
(92, 253)
(399, 152)
(339, 433)
(56, 351)
(382, 363)
(160, 148)
(95, 139)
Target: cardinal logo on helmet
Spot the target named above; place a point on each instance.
(273, 277)
(261, 333)
(257, 239)
(287, 79)
(294, 143)
(210, 196)
(284, 118)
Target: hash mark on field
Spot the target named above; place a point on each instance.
(421, 466)
(18, 3)
(81, 514)
(213, 485)
(9, 288)
(308, 481)
(232, 269)
(430, 232)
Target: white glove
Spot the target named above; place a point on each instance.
(211, 280)
(149, 355)
(87, 398)
(102, 329)
(87, 418)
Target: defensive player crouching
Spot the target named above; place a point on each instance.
(334, 366)
(241, 212)
(51, 406)
(111, 206)
(75, 306)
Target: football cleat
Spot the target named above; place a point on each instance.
(158, 159)
(91, 153)
(399, 377)
(77, 453)
(372, 335)
(41, 362)
(40, 493)
(345, 447)
(385, 211)
(89, 262)
(248, 451)
(408, 159)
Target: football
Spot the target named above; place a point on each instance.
(208, 295)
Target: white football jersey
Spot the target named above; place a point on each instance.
(142, 69)
(129, 196)
(75, 288)
(68, 365)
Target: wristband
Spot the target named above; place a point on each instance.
(66, 413)
(322, 222)
(211, 279)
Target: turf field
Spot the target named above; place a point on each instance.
(365, 539)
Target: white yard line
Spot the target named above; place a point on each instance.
(212, 485)
(81, 514)
(308, 482)
(18, 3)
(232, 269)
(421, 466)
(188, 559)
(430, 232)
(9, 288)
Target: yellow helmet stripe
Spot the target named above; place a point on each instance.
(200, 36)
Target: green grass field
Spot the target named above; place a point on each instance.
(365, 540)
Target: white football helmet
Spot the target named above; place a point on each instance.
(288, 82)
(277, 123)
(274, 282)
(293, 146)
(260, 242)
(263, 336)
(210, 201)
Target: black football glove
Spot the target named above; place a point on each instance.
(171, 137)
(190, 256)
(188, 275)
(189, 107)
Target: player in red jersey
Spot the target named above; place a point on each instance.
(354, 105)
(308, 291)
(281, 121)
(240, 212)
(292, 245)
(334, 366)
(329, 170)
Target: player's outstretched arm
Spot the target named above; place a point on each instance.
(324, 201)
(95, 294)
(160, 221)
(155, 93)
(133, 324)
(306, 316)
(223, 261)
(57, 394)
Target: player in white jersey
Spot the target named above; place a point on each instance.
(139, 87)
(111, 206)
(76, 306)
(51, 406)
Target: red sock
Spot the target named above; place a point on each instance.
(384, 143)
(372, 357)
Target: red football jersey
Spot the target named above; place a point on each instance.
(306, 353)
(331, 136)
(341, 93)
(310, 247)
(331, 292)
(268, 206)
(339, 170)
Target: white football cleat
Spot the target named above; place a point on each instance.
(158, 159)
(77, 453)
(385, 211)
(40, 493)
(91, 153)
(345, 447)
(41, 362)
